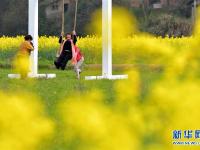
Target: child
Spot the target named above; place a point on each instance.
(79, 59)
(22, 62)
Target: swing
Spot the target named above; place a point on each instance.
(63, 23)
(106, 43)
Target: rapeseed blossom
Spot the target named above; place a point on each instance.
(23, 123)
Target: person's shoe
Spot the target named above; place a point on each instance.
(78, 74)
(79, 70)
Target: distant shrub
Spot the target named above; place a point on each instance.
(169, 25)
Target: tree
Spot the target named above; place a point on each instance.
(3, 7)
(146, 10)
(14, 19)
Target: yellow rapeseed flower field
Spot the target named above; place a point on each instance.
(23, 123)
(135, 120)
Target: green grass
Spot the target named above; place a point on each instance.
(52, 91)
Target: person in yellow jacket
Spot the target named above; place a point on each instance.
(22, 62)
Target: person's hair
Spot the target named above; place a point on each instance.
(68, 34)
(28, 37)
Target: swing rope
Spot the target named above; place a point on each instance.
(63, 22)
(62, 28)
(63, 16)
(75, 16)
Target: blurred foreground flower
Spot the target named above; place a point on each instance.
(197, 23)
(176, 103)
(23, 123)
(21, 65)
(123, 23)
(94, 125)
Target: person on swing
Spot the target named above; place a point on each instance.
(73, 37)
(65, 53)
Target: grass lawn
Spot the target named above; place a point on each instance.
(52, 91)
(65, 84)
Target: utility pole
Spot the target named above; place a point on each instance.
(194, 7)
(63, 17)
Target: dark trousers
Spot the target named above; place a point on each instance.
(62, 60)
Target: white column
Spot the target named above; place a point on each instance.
(33, 30)
(107, 38)
(107, 44)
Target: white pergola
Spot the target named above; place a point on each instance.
(106, 42)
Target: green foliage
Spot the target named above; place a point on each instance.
(13, 19)
(14, 16)
(169, 25)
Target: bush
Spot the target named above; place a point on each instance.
(169, 25)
